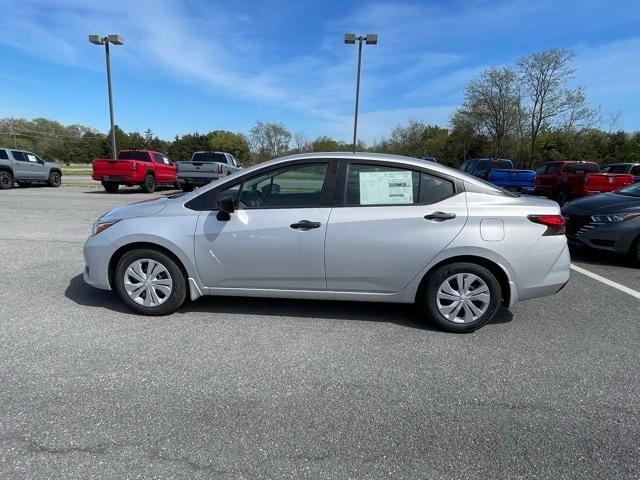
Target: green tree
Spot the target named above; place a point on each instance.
(234, 143)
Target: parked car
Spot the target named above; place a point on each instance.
(336, 226)
(145, 168)
(205, 167)
(608, 221)
(501, 172)
(26, 168)
(569, 179)
(631, 168)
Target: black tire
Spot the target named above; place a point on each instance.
(111, 187)
(428, 302)
(55, 179)
(634, 252)
(175, 298)
(149, 185)
(562, 197)
(176, 185)
(6, 180)
(186, 187)
(24, 184)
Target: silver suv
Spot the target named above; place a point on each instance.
(336, 226)
(26, 168)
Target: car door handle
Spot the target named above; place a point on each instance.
(440, 216)
(305, 225)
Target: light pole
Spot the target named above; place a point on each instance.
(116, 40)
(350, 39)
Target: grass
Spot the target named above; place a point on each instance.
(79, 169)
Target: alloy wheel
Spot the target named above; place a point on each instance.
(463, 298)
(148, 282)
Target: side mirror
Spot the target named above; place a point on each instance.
(225, 209)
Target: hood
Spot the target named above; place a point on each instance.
(603, 203)
(146, 208)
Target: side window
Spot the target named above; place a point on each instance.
(159, 158)
(294, 187)
(635, 170)
(471, 166)
(4, 155)
(32, 158)
(483, 165)
(552, 169)
(465, 166)
(541, 170)
(19, 156)
(379, 185)
(434, 189)
(230, 193)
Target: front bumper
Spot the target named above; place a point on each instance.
(612, 237)
(96, 270)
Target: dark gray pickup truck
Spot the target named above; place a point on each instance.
(26, 168)
(205, 167)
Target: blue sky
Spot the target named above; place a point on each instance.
(203, 65)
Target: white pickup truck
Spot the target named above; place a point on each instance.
(205, 167)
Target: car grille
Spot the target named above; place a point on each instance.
(578, 224)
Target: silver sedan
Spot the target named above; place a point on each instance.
(336, 226)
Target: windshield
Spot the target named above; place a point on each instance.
(581, 168)
(630, 191)
(498, 163)
(616, 169)
(133, 155)
(209, 157)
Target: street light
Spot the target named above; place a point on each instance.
(116, 40)
(350, 39)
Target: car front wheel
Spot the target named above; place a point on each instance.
(55, 179)
(461, 297)
(150, 282)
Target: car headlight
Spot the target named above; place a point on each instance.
(101, 226)
(613, 217)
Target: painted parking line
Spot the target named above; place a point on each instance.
(606, 281)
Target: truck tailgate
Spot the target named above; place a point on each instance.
(508, 178)
(103, 166)
(606, 182)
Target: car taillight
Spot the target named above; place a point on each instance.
(220, 169)
(555, 223)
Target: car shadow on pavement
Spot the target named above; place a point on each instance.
(405, 315)
(82, 294)
(596, 257)
(130, 190)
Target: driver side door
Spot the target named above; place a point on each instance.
(275, 237)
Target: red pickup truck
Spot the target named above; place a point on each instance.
(135, 167)
(563, 181)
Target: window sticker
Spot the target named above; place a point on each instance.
(384, 188)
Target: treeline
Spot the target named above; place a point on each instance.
(527, 112)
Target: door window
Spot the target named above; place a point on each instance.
(541, 170)
(19, 156)
(379, 185)
(3, 155)
(434, 189)
(297, 186)
(580, 168)
(635, 170)
(32, 158)
(159, 158)
(552, 169)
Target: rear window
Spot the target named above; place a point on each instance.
(209, 157)
(488, 164)
(616, 169)
(581, 168)
(133, 155)
(4, 155)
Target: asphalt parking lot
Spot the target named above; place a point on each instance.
(257, 388)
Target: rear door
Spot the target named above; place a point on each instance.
(392, 221)
(21, 167)
(275, 238)
(165, 171)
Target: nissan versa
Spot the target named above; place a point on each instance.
(336, 226)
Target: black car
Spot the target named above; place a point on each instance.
(608, 221)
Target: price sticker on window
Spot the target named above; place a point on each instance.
(386, 188)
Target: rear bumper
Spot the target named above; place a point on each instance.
(195, 179)
(117, 178)
(553, 280)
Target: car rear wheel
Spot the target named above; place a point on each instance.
(6, 180)
(461, 297)
(111, 187)
(150, 282)
(55, 179)
(149, 184)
